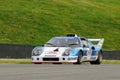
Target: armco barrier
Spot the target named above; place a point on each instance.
(111, 54)
(15, 51)
(24, 51)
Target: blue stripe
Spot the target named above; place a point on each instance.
(75, 52)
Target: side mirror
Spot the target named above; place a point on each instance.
(42, 45)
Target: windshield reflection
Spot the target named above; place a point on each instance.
(63, 42)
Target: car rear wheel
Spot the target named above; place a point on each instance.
(98, 61)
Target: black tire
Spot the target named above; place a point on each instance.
(98, 61)
(79, 60)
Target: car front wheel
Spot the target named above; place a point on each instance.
(79, 60)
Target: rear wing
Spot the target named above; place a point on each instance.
(100, 41)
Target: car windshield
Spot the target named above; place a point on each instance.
(63, 42)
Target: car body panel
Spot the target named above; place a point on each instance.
(67, 51)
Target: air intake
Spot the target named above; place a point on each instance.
(71, 35)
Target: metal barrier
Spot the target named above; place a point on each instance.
(15, 51)
(111, 54)
(24, 51)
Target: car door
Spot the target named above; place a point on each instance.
(86, 50)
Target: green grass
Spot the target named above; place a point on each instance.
(15, 61)
(36, 21)
(28, 61)
(111, 62)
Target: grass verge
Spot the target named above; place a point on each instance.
(15, 61)
(111, 62)
(28, 61)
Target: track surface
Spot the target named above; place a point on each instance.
(59, 72)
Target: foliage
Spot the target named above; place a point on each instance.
(36, 21)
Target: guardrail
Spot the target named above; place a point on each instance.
(15, 51)
(111, 54)
(24, 51)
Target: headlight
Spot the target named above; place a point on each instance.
(37, 52)
(67, 52)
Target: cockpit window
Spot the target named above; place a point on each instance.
(63, 42)
(84, 42)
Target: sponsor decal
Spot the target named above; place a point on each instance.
(50, 55)
(52, 52)
(85, 58)
(72, 58)
(93, 58)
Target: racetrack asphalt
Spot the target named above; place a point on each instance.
(59, 72)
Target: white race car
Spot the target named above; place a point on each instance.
(70, 49)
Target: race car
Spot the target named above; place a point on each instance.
(69, 49)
